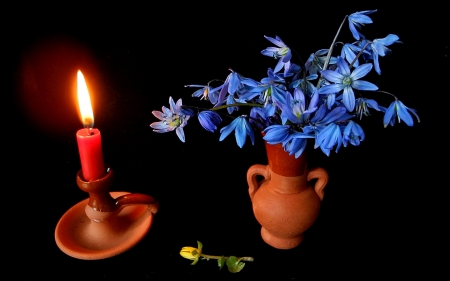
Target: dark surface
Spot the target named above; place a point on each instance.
(383, 211)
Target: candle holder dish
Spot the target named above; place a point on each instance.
(107, 223)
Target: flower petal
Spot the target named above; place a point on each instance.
(240, 132)
(361, 71)
(348, 98)
(225, 131)
(332, 76)
(330, 89)
(180, 133)
(274, 41)
(389, 114)
(364, 85)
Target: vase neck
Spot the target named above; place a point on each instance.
(284, 164)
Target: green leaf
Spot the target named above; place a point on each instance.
(234, 264)
(199, 246)
(221, 262)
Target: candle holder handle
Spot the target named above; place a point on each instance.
(101, 200)
(107, 223)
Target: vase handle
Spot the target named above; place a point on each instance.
(322, 179)
(252, 173)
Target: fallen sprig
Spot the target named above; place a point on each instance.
(234, 264)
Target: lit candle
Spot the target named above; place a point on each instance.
(89, 139)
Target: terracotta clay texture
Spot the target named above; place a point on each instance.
(106, 224)
(285, 202)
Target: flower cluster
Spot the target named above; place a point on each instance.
(321, 99)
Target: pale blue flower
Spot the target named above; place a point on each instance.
(282, 51)
(275, 89)
(206, 92)
(232, 85)
(242, 128)
(294, 109)
(323, 117)
(346, 81)
(349, 52)
(317, 60)
(329, 137)
(271, 87)
(356, 20)
(363, 105)
(399, 110)
(353, 134)
(171, 119)
(379, 48)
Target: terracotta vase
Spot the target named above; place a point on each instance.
(285, 202)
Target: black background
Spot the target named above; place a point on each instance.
(382, 214)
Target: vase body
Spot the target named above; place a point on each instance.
(285, 202)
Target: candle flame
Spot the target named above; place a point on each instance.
(84, 102)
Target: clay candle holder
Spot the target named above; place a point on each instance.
(106, 224)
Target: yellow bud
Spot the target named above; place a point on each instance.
(192, 253)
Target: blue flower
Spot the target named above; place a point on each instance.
(353, 133)
(275, 134)
(292, 141)
(356, 20)
(323, 117)
(242, 128)
(363, 105)
(399, 110)
(293, 69)
(297, 145)
(171, 119)
(209, 120)
(261, 117)
(344, 80)
(206, 92)
(329, 137)
(379, 48)
(234, 83)
(272, 89)
(349, 52)
(300, 83)
(294, 102)
(283, 52)
(294, 109)
(316, 61)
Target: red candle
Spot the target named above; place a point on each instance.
(89, 139)
(91, 156)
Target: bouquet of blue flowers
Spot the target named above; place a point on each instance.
(320, 99)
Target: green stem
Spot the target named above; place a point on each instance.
(330, 51)
(225, 106)
(359, 54)
(219, 257)
(237, 104)
(384, 92)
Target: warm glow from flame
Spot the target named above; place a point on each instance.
(84, 102)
